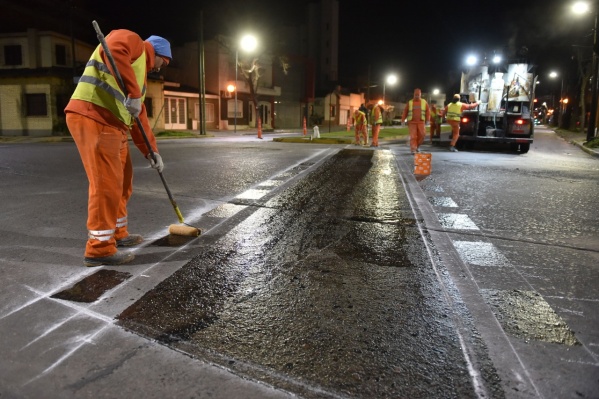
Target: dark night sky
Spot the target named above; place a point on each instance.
(422, 42)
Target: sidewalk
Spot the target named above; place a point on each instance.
(576, 138)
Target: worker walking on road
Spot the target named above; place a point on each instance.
(361, 127)
(453, 113)
(99, 118)
(417, 114)
(376, 120)
(436, 118)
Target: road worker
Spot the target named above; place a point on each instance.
(453, 113)
(376, 120)
(416, 114)
(436, 118)
(99, 118)
(361, 127)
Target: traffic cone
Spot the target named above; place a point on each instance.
(305, 131)
(259, 127)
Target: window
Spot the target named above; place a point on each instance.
(149, 107)
(209, 112)
(61, 54)
(13, 55)
(36, 104)
(231, 109)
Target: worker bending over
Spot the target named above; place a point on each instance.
(99, 118)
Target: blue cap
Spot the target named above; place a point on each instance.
(161, 46)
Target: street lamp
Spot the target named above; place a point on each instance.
(554, 75)
(248, 43)
(582, 7)
(391, 79)
(435, 93)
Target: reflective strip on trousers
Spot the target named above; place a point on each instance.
(100, 235)
(121, 222)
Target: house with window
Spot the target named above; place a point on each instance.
(229, 99)
(36, 81)
(39, 71)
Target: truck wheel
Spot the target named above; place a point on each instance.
(524, 148)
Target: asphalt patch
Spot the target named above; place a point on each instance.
(93, 287)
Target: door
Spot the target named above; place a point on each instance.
(264, 113)
(175, 116)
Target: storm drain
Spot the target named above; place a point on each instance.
(525, 314)
(92, 287)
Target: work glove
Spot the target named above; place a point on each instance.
(158, 165)
(133, 105)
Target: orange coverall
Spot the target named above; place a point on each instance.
(416, 124)
(455, 124)
(376, 127)
(102, 141)
(361, 127)
(436, 117)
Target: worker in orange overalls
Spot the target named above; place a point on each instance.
(376, 120)
(453, 113)
(361, 127)
(99, 118)
(436, 117)
(417, 115)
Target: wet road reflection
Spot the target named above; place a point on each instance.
(325, 290)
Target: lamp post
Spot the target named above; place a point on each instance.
(391, 79)
(554, 75)
(593, 115)
(248, 43)
(581, 7)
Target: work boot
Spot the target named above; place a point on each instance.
(130, 240)
(117, 258)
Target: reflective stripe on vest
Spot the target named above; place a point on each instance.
(454, 111)
(422, 109)
(98, 86)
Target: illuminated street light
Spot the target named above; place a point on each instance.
(471, 60)
(391, 79)
(248, 44)
(435, 92)
(582, 7)
(496, 59)
(554, 75)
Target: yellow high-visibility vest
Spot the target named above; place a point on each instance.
(454, 111)
(423, 105)
(98, 86)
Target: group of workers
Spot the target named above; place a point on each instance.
(108, 105)
(417, 113)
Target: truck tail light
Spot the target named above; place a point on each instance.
(465, 120)
(519, 122)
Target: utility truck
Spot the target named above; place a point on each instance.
(505, 112)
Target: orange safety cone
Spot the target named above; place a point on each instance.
(305, 131)
(259, 127)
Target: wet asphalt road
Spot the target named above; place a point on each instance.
(323, 272)
(323, 290)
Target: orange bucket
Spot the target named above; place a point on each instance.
(422, 163)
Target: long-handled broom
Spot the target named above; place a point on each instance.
(182, 229)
